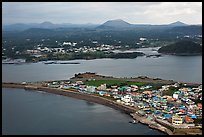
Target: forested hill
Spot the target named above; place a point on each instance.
(184, 47)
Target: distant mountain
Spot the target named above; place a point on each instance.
(183, 47)
(178, 23)
(118, 23)
(187, 30)
(37, 30)
(16, 27)
(45, 25)
(108, 25)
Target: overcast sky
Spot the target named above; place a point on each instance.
(100, 12)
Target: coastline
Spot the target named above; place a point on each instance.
(74, 94)
(91, 98)
(153, 123)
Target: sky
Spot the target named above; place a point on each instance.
(100, 12)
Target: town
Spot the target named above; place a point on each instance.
(65, 49)
(69, 50)
(178, 104)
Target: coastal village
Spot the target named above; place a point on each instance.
(181, 109)
(172, 107)
(68, 46)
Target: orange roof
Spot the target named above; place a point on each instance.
(187, 118)
(199, 105)
(147, 92)
(181, 110)
(135, 93)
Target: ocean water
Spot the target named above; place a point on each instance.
(39, 113)
(178, 68)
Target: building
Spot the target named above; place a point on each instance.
(91, 89)
(189, 120)
(79, 82)
(102, 87)
(127, 98)
(143, 39)
(176, 95)
(177, 120)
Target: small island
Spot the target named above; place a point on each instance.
(171, 107)
(183, 47)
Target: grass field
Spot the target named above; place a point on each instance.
(112, 82)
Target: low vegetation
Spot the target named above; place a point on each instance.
(113, 83)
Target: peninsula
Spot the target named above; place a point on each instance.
(166, 105)
(183, 47)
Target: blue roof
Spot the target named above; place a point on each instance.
(155, 98)
(102, 92)
(157, 112)
(167, 115)
(183, 108)
(66, 86)
(122, 88)
(170, 105)
(193, 116)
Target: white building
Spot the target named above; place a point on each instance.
(175, 96)
(143, 39)
(67, 43)
(91, 89)
(127, 98)
(102, 87)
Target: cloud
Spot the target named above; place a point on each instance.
(99, 12)
(169, 12)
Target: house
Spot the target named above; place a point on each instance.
(193, 116)
(115, 90)
(143, 39)
(102, 93)
(200, 87)
(148, 93)
(199, 105)
(141, 112)
(176, 85)
(188, 120)
(134, 87)
(53, 85)
(102, 87)
(91, 89)
(127, 98)
(167, 116)
(177, 120)
(66, 87)
(79, 82)
(177, 95)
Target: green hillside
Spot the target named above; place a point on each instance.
(184, 47)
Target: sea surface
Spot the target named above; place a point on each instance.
(169, 67)
(41, 113)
